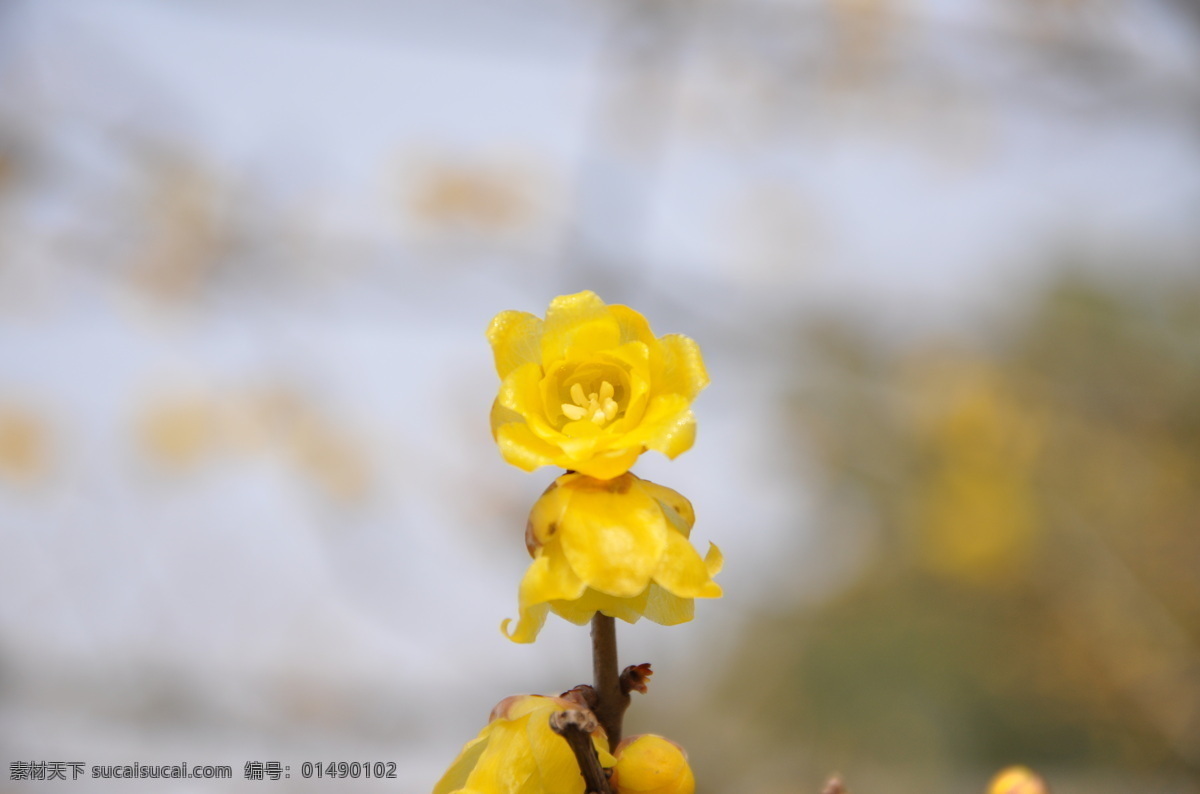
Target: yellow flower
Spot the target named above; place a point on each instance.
(650, 764)
(1017, 780)
(619, 547)
(518, 753)
(590, 388)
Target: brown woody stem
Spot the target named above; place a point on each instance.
(611, 701)
(576, 727)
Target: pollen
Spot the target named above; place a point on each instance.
(599, 406)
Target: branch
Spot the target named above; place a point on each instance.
(576, 727)
(611, 698)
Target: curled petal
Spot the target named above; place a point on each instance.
(548, 579)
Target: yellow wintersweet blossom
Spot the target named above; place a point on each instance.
(518, 753)
(650, 764)
(619, 547)
(1017, 780)
(591, 387)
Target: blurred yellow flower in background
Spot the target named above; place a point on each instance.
(1017, 780)
(518, 753)
(590, 387)
(650, 764)
(619, 547)
(24, 444)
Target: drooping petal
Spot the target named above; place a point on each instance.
(614, 544)
(667, 609)
(617, 546)
(550, 577)
(682, 572)
(581, 610)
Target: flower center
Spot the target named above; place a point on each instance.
(599, 407)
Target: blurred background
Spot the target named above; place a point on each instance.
(943, 259)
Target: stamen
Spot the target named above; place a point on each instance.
(610, 409)
(599, 407)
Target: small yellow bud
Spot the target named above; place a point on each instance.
(650, 764)
(1017, 780)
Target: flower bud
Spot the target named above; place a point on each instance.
(649, 764)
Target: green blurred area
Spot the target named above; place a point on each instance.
(1024, 519)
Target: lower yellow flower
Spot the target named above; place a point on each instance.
(650, 764)
(619, 547)
(518, 753)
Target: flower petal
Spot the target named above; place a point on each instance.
(522, 448)
(577, 326)
(614, 544)
(515, 338)
(682, 572)
(607, 465)
(670, 498)
(549, 578)
(521, 393)
(634, 327)
(668, 609)
(668, 426)
(581, 610)
(508, 765)
(683, 366)
(529, 624)
(714, 560)
(460, 769)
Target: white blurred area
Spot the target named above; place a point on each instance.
(249, 505)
